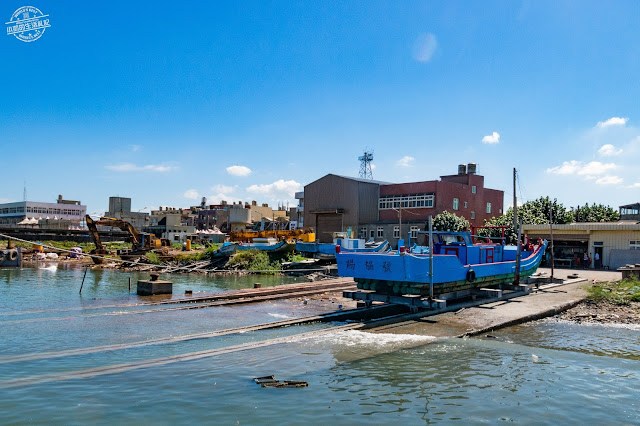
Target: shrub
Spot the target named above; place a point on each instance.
(620, 292)
(253, 260)
(153, 258)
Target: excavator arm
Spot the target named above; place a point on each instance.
(136, 241)
(93, 230)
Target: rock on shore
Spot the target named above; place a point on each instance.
(603, 313)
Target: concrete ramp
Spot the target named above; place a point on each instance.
(472, 318)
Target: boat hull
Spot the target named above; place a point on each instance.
(328, 250)
(280, 247)
(11, 258)
(226, 250)
(398, 273)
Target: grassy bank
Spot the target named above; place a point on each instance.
(621, 292)
(66, 245)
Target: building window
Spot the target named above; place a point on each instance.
(466, 205)
(414, 232)
(455, 203)
(634, 245)
(488, 207)
(412, 201)
(363, 232)
(372, 233)
(473, 215)
(500, 211)
(473, 189)
(396, 232)
(380, 232)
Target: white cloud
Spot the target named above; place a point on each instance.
(128, 167)
(221, 192)
(567, 168)
(492, 138)
(424, 47)
(135, 148)
(406, 161)
(277, 190)
(593, 168)
(635, 185)
(6, 200)
(238, 170)
(373, 166)
(609, 180)
(596, 168)
(609, 150)
(613, 121)
(225, 189)
(191, 194)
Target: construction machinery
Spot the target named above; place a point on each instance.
(141, 242)
(306, 235)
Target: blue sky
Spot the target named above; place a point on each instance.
(167, 102)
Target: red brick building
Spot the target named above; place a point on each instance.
(371, 208)
(463, 194)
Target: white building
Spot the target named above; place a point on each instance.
(47, 215)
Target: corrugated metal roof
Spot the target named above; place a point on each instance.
(629, 205)
(377, 182)
(588, 226)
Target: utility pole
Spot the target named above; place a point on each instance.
(517, 225)
(515, 202)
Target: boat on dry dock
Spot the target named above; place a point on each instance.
(270, 245)
(341, 239)
(457, 264)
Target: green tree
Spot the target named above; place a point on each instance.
(595, 213)
(446, 221)
(532, 212)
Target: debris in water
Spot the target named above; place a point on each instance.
(272, 382)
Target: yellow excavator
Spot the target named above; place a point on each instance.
(141, 242)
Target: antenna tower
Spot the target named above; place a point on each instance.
(365, 165)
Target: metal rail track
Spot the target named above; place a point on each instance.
(216, 299)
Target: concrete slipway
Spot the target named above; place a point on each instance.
(469, 320)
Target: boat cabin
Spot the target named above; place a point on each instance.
(461, 244)
(342, 239)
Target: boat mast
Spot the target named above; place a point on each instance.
(430, 257)
(551, 234)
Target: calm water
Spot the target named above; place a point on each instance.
(543, 373)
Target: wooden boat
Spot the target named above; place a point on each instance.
(458, 264)
(270, 245)
(328, 250)
(11, 258)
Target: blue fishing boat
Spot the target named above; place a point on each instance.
(328, 250)
(458, 264)
(270, 245)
